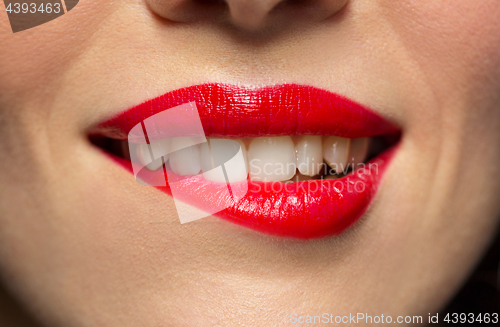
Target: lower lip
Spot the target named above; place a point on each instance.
(303, 210)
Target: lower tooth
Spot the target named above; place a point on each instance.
(299, 178)
(335, 152)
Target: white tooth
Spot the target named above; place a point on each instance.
(309, 155)
(161, 148)
(223, 153)
(335, 152)
(145, 157)
(177, 143)
(245, 153)
(359, 150)
(272, 159)
(185, 160)
(206, 163)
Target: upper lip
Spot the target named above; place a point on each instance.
(288, 109)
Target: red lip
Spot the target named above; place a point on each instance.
(304, 210)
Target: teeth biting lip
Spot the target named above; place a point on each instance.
(310, 209)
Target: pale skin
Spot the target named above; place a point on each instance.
(78, 242)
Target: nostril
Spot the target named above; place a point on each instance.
(210, 2)
(203, 4)
(248, 15)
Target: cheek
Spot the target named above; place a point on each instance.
(455, 48)
(41, 55)
(452, 42)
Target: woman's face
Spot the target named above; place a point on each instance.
(83, 244)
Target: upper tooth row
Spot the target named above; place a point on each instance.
(264, 159)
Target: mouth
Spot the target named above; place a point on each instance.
(297, 161)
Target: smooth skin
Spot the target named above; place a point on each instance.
(83, 244)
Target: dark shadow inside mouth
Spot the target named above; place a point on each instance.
(381, 143)
(378, 144)
(111, 146)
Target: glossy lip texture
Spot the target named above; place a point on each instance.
(308, 209)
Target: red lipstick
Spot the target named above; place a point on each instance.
(307, 209)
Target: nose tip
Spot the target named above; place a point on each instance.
(249, 15)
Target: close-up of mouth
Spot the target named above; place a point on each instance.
(311, 163)
(249, 163)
